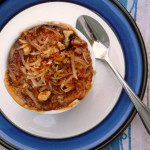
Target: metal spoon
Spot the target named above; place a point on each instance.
(99, 40)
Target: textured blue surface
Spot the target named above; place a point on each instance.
(122, 110)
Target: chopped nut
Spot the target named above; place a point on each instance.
(43, 96)
(78, 51)
(49, 62)
(67, 34)
(51, 51)
(76, 42)
(60, 46)
(60, 99)
(27, 50)
(25, 85)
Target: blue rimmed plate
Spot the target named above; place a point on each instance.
(136, 72)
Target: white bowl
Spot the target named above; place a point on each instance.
(8, 41)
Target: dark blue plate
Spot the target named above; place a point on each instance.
(136, 76)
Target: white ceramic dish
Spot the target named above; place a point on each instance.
(97, 104)
(12, 38)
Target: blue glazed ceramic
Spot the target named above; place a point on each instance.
(136, 74)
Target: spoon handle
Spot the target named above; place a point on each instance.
(142, 109)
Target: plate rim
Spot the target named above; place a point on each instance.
(145, 66)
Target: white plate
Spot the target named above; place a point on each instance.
(98, 103)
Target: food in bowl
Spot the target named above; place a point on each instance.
(49, 67)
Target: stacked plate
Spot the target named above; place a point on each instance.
(107, 110)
